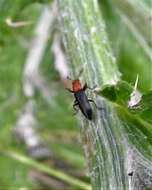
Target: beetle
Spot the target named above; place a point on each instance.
(81, 100)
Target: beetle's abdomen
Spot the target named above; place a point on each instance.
(84, 104)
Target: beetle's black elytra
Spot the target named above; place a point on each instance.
(83, 103)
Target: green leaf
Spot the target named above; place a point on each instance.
(144, 108)
(136, 120)
(118, 93)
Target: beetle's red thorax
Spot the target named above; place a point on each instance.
(76, 85)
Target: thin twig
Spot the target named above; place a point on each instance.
(17, 24)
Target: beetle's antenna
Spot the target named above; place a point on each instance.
(79, 73)
(81, 70)
(69, 78)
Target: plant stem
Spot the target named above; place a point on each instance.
(110, 156)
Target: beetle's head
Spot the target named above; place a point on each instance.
(76, 85)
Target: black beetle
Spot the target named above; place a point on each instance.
(81, 100)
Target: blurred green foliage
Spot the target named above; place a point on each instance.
(131, 58)
(14, 43)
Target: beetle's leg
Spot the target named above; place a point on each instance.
(75, 107)
(76, 102)
(94, 87)
(69, 90)
(86, 86)
(90, 100)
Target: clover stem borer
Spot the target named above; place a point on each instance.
(81, 99)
